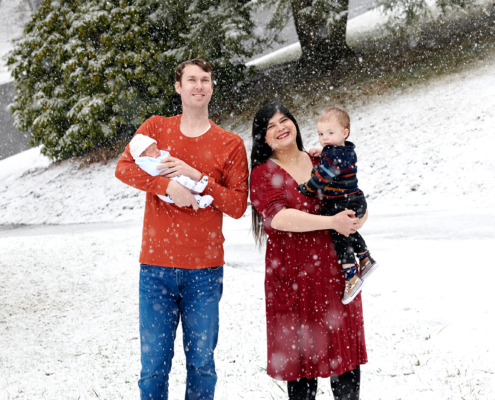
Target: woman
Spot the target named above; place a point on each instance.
(310, 332)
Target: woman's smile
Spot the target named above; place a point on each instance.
(280, 132)
(283, 135)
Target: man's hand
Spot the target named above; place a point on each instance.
(181, 196)
(315, 151)
(178, 167)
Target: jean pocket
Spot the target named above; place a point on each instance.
(145, 268)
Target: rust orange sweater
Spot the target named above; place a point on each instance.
(181, 237)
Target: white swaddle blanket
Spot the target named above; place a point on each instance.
(149, 165)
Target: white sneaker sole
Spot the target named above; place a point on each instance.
(347, 300)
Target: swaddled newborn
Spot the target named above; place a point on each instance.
(145, 152)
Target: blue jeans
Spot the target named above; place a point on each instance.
(165, 296)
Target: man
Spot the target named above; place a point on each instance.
(182, 246)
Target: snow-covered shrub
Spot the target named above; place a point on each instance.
(406, 15)
(87, 72)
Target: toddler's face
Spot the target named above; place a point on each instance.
(151, 151)
(330, 131)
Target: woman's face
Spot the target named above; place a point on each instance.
(281, 132)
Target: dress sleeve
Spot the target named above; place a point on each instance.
(267, 192)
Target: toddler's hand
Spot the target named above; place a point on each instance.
(315, 152)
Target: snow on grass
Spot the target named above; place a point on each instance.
(59, 194)
(69, 312)
(428, 329)
(429, 144)
(15, 166)
(68, 294)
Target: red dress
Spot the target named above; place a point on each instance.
(310, 333)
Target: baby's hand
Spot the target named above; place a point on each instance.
(315, 152)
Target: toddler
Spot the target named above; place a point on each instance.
(334, 179)
(147, 155)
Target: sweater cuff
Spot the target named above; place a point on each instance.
(201, 185)
(209, 187)
(303, 188)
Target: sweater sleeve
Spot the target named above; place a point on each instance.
(333, 162)
(131, 174)
(230, 194)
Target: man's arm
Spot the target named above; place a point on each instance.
(230, 196)
(128, 172)
(131, 174)
(181, 195)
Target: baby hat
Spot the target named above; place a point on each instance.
(140, 143)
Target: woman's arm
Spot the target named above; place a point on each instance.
(362, 220)
(292, 220)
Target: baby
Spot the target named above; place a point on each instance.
(334, 179)
(147, 155)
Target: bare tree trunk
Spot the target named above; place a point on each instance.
(319, 44)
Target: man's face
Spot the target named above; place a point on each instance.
(195, 88)
(151, 151)
(331, 131)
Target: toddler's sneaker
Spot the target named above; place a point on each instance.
(353, 284)
(367, 265)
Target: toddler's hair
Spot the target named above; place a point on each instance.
(340, 114)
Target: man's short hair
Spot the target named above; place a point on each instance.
(205, 66)
(338, 113)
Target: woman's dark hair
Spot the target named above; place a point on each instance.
(261, 152)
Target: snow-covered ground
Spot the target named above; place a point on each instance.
(68, 294)
(430, 144)
(69, 317)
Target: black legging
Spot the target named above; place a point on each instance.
(345, 386)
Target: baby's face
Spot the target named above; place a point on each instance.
(151, 151)
(330, 131)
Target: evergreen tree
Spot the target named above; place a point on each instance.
(89, 71)
(406, 14)
(229, 20)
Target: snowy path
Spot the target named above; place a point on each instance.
(68, 312)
